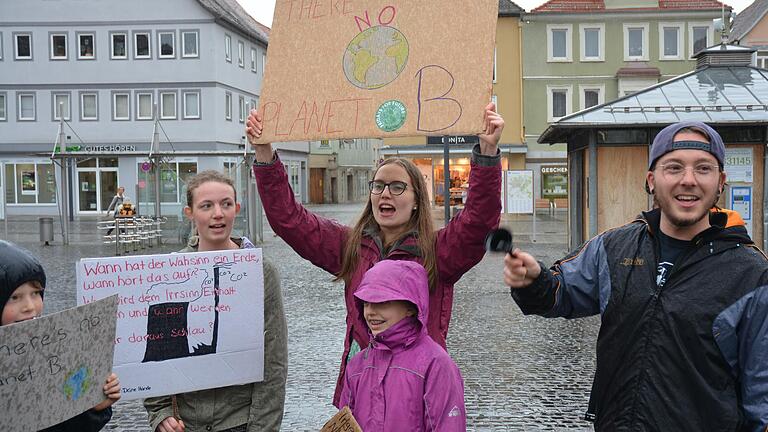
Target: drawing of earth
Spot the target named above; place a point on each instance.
(77, 383)
(375, 57)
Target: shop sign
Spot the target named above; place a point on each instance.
(739, 165)
(117, 148)
(554, 182)
(453, 139)
(554, 170)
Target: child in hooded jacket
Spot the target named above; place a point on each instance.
(403, 380)
(22, 285)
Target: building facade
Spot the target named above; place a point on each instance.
(750, 28)
(577, 55)
(109, 70)
(341, 169)
(427, 152)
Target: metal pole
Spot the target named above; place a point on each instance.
(446, 180)
(765, 191)
(156, 163)
(252, 201)
(155, 147)
(533, 185)
(592, 201)
(136, 194)
(64, 202)
(65, 199)
(5, 215)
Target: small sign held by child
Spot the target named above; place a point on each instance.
(343, 421)
(52, 368)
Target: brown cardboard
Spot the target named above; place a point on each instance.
(340, 68)
(343, 421)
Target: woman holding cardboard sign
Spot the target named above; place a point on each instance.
(212, 206)
(396, 223)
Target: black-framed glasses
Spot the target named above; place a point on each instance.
(395, 188)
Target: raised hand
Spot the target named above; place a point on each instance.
(254, 126)
(494, 124)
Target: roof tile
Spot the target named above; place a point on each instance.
(577, 6)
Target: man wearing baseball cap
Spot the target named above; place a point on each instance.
(683, 300)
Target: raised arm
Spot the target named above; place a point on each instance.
(460, 244)
(315, 238)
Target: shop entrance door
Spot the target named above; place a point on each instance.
(87, 195)
(96, 185)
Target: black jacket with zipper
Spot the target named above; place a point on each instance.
(690, 356)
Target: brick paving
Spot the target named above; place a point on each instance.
(520, 373)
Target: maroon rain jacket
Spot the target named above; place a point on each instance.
(459, 246)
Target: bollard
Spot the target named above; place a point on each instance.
(46, 230)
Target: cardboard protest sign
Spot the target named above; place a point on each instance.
(367, 68)
(54, 368)
(180, 314)
(343, 421)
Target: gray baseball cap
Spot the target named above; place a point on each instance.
(664, 142)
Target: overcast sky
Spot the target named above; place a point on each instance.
(262, 10)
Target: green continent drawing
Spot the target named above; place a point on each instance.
(390, 116)
(77, 382)
(375, 57)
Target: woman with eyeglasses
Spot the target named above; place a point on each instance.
(396, 223)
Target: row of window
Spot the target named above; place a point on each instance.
(636, 45)
(30, 183)
(34, 182)
(241, 54)
(244, 107)
(120, 46)
(88, 109)
(559, 99)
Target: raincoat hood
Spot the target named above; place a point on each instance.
(390, 280)
(17, 267)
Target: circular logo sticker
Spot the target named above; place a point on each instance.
(390, 116)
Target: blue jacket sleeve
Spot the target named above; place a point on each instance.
(579, 285)
(753, 341)
(741, 333)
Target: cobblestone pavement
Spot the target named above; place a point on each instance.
(520, 373)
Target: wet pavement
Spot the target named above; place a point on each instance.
(520, 373)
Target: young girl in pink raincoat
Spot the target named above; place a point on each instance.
(403, 380)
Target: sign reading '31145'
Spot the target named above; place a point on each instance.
(739, 165)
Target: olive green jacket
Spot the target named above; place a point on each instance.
(260, 404)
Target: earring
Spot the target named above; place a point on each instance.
(415, 207)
